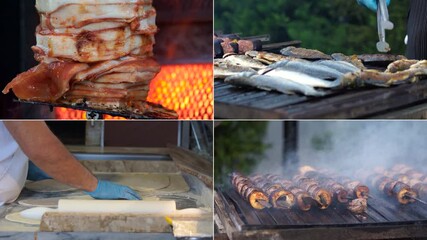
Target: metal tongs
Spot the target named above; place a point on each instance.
(383, 24)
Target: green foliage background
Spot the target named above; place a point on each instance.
(238, 147)
(330, 26)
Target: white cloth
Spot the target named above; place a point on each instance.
(13, 167)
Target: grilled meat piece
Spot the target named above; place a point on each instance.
(303, 199)
(358, 205)
(253, 195)
(400, 65)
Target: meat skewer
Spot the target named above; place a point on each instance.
(401, 191)
(255, 196)
(406, 174)
(322, 196)
(356, 189)
(340, 194)
(303, 198)
(278, 196)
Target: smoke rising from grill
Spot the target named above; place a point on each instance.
(346, 146)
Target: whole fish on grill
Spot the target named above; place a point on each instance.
(310, 68)
(303, 198)
(353, 59)
(322, 196)
(243, 61)
(269, 83)
(248, 191)
(266, 57)
(383, 79)
(223, 69)
(380, 58)
(304, 53)
(278, 196)
(302, 78)
(340, 66)
(400, 65)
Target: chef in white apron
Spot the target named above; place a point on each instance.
(13, 167)
(21, 140)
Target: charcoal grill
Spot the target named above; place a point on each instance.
(404, 101)
(155, 111)
(384, 219)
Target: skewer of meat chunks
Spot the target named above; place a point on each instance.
(340, 194)
(322, 196)
(303, 198)
(278, 196)
(355, 188)
(255, 196)
(403, 193)
(406, 174)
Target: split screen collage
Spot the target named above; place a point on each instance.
(213, 119)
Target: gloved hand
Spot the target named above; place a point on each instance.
(109, 190)
(35, 173)
(371, 4)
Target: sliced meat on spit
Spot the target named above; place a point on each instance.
(278, 196)
(322, 196)
(63, 14)
(253, 195)
(45, 82)
(303, 198)
(93, 46)
(358, 205)
(340, 194)
(123, 65)
(399, 190)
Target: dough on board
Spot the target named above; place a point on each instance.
(48, 186)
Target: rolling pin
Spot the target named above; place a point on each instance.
(117, 206)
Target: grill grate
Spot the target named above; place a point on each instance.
(242, 102)
(156, 111)
(381, 214)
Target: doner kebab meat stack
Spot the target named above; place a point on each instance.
(93, 52)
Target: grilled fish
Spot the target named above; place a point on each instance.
(367, 58)
(302, 78)
(341, 66)
(223, 69)
(350, 59)
(383, 79)
(244, 61)
(269, 83)
(266, 57)
(400, 65)
(306, 67)
(304, 53)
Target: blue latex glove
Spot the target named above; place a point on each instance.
(371, 4)
(109, 190)
(35, 173)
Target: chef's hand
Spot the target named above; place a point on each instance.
(35, 173)
(109, 190)
(371, 4)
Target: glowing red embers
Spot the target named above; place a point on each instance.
(186, 89)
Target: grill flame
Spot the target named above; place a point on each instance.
(186, 89)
